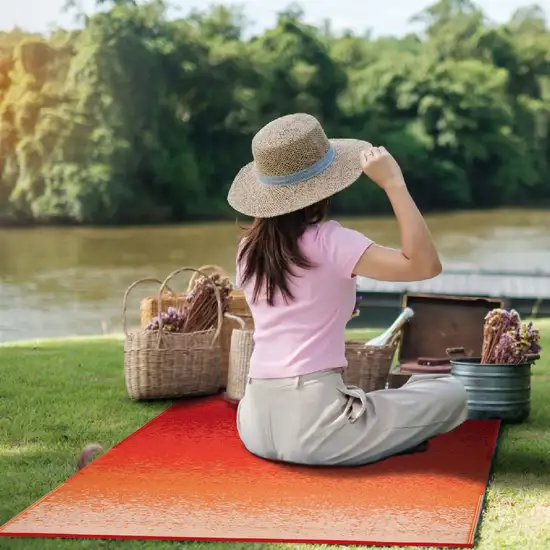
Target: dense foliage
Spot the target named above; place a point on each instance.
(142, 118)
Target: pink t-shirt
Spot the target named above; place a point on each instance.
(307, 334)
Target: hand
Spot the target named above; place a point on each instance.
(382, 168)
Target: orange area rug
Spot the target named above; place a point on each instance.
(186, 476)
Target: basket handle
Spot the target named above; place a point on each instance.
(201, 271)
(216, 292)
(127, 293)
(235, 318)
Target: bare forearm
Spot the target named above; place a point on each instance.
(416, 241)
(418, 257)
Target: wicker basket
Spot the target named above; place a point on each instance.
(160, 365)
(369, 367)
(242, 344)
(237, 310)
(236, 306)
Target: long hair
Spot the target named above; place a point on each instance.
(271, 250)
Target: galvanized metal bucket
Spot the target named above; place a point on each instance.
(495, 391)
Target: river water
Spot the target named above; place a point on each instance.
(64, 281)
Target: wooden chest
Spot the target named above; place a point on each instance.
(439, 323)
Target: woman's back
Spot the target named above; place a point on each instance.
(306, 334)
(297, 276)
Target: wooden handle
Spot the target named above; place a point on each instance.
(455, 352)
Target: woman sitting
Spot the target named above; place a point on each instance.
(298, 275)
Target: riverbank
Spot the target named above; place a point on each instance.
(229, 215)
(59, 395)
(74, 284)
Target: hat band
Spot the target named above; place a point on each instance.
(302, 175)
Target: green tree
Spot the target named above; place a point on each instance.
(139, 118)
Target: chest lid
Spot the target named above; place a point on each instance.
(442, 322)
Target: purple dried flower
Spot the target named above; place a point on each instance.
(515, 319)
(506, 351)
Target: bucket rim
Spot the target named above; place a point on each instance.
(470, 361)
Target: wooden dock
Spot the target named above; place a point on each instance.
(528, 293)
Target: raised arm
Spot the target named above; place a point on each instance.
(418, 258)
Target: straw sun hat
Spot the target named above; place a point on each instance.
(295, 165)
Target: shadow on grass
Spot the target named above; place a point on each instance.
(523, 461)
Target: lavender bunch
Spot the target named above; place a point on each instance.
(172, 321)
(202, 308)
(515, 345)
(528, 337)
(222, 282)
(497, 323)
(507, 351)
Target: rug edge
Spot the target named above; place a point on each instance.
(478, 518)
(342, 542)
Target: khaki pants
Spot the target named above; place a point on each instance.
(315, 419)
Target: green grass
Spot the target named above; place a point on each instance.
(57, 396)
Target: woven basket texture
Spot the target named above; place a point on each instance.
(161, 365)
